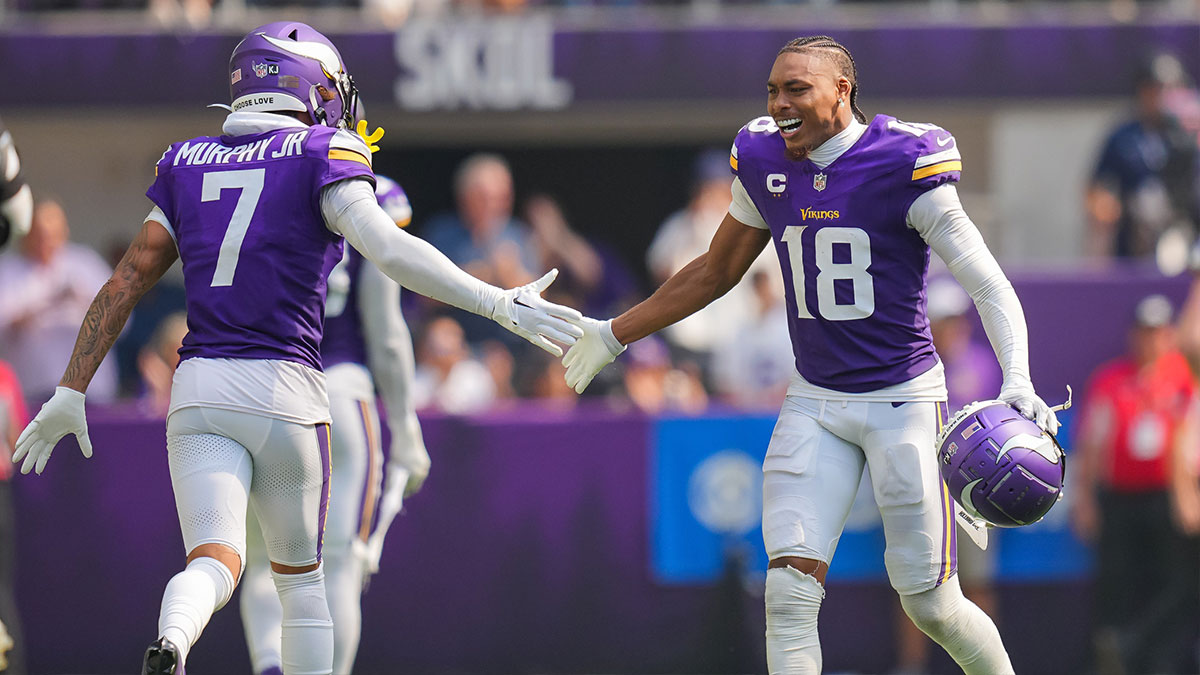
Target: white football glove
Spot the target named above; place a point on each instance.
(367, 553)
(1029, 404)
(61, 415)
(523, 311)
(594, 350)
(399, 481)
(408, 453)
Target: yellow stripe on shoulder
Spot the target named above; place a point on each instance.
(935, 169)
(348, 155)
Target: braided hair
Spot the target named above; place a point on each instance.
(840, 56)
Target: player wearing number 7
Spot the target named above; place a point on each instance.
(258, 216)
(852, 209)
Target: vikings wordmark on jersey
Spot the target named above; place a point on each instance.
(839, 228)
(245, 214)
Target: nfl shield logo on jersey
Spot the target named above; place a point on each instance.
(819, 182)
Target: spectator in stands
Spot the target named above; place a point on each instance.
(157, 362)
(1147, 180)
(544, 378)
(13, 418)
(448, 378)
(971, 370)
(972, 374)
(192, 13)
(592, 277)
(45, 291)
(1146, 585)
(656, 385)
(484, 238)
(752, 370)
(682, 237)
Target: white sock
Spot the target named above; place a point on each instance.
(793, 602)
(261, 616)
(960, 627)
(189, 601)
(343, 590)
(307, 644)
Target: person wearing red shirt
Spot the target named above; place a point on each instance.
(13, 417)
(1145, 567)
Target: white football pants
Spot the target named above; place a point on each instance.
(223, 461)
(357, 481)
(813, 467)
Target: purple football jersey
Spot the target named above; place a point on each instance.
(854, 271)
(255, 250)
(344, 341)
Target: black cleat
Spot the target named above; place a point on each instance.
(162, 658)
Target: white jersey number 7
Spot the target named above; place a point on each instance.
(250, 182)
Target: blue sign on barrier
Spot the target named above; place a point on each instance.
(706, 495)
(706, 504)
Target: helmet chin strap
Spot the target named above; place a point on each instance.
(348, 92)
(314, 100)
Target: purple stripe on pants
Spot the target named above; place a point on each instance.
(949, 525)
(953, 522)
(323, 438)
(372, 479)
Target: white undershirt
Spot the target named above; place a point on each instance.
(938, 216)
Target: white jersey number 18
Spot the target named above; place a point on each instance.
(859, 246)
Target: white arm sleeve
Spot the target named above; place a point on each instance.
(389, 346)
(939, 218)
(350, 209)
(743, 209)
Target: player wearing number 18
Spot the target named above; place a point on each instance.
(852, 208)
(258, 216)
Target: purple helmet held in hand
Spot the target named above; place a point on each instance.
(1000, 466)
(289, 66)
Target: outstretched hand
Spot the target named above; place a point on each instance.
(525, 312)
(61, 415)
(597, 348)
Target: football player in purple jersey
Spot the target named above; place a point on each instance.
(852, 208)
(366, 346)
(257, 216)
(16, 201)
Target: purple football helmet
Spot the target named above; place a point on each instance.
(1000, 466)
(279, 67)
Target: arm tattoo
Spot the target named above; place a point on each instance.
(138, 270)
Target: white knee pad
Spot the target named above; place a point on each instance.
(793, 601)
(307, 644)
(961, 628)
